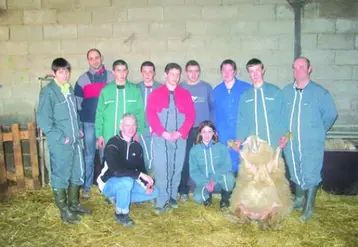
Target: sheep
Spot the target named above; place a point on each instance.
(262, 192)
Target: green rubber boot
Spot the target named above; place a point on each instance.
(311, 197)
(74, 200)
(61, 202)
(299, 202)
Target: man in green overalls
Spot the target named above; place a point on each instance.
(57, 117)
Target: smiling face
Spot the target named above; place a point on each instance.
(94, 60)
(128, 127)
(207, 134)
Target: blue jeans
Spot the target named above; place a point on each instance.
(125, 190)
(89, 140)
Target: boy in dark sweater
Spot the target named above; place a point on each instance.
(123, 179)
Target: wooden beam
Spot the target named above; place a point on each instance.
(31, 128)
(24, 135)
(2, 160)
(19, 167)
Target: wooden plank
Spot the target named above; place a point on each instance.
(31, 128)
(11, 176)
(7, 137)
(2, 160)
(19, 167)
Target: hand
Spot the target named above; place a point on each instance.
(167, 136)
(149, 189)
(176, 135)
(210, 186)
(100, 142)
(136, 137)
(283, 141)
(67, 140)
(81, 133)
(147, 178)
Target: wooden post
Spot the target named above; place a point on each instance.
(19, 167)
(2, 161)
(33, 155)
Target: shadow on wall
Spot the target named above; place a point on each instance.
(22, 119)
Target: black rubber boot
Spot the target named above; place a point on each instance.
(225, 196)
(74, 200)
(124, 219)
(311, 197)
(299, 202)
(208, 201)
(61, 202)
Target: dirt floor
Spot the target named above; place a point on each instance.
(31, 219)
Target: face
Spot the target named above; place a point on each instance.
(128, 127)
(256, 73)
(120, 73)
(228, 73)
(207, 134)
(62, 75)
(148, 74)
(172, 77)
(193, 73)
(301, 71)
(94, 60)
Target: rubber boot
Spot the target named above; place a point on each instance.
(311, 197)
(61, 202)
(299, 202)
(208, 201)
(225, 196)
(74, 200)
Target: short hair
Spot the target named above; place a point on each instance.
(253, 62)
(128, 115)
(228, 61)
(210, 124)
(119, 62)
(304, 58)
(94, 49)
(147, 63)
(60, 63)
(191, 63)
(171, 66)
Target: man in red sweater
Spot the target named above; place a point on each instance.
(170, 114)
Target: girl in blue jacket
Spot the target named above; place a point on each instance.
(210, 167)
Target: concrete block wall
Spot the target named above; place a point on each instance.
(34, 32)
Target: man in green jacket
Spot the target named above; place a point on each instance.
(119, 97)
(57, 117)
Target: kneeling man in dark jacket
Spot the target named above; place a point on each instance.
(123, 179)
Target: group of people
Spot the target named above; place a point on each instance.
(177, 130)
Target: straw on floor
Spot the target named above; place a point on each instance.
(31, 219)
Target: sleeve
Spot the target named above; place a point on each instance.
(152, 115)
(189, 116)
(242, 125)
(217, 109)
(140, 111)
(99, 116)
(199, 178)
(328, 111)
(281, 125)
(211, 103)
(112, 157)
(45, 118)
(79, 96)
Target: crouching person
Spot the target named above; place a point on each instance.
(123, 179)
(210, 167)
(57, 117)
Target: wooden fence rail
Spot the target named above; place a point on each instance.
(16, 136)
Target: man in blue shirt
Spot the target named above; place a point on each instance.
(226, 102)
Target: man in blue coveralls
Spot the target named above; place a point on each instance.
(226, 98)
(309, 112)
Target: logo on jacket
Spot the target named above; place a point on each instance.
(133, 154)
